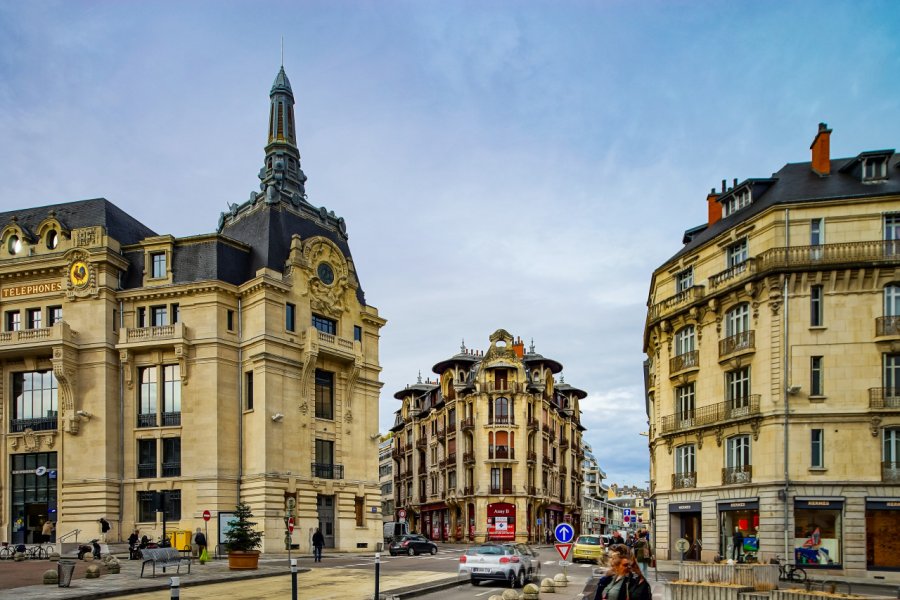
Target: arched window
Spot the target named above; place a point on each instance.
(501, 411)
(737, 320)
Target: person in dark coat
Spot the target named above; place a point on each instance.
(133, 541)
(737, 542)
(318, 542)
(623, 580)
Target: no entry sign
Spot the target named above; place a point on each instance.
(206, 515)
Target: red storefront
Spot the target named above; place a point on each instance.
(436, 522)
(501, 521)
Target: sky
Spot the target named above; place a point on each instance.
(520, 165)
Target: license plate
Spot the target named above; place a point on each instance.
(481, 570)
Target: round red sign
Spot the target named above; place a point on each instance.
(206, 515)
(401, 513)
(291, 524)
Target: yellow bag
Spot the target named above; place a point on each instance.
(204, 556)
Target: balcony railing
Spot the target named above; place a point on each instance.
(890, 472)
(42, 424)
(741, 474)
(688, 360)
(551, 436)
(422, 443)
(451, 427)
(733, 274)
(171, 469)
(531, 490)
(533, 425)
(146, 420)
(546, 428)
(739, 342)
(327, 471)
(503, 489)
(468, 458)
(502, 420)
(501, 453)
(563, 443)
(660, 309)
(681, 481)
(884, 398)
(738, 408)
(467, 424)
(887, 326)
(546, 461)
(469, 490)
(146, 470)
(532, 456)
(170, 419)
(502, 386)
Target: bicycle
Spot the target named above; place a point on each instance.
(40, 552)
(788, 572)
(7, 553)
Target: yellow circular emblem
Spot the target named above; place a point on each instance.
(78, 273)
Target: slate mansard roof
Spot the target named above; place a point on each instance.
(794, 183)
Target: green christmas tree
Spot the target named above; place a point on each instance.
(242, 536)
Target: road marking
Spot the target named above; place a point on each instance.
(550, 562)
(483, 594)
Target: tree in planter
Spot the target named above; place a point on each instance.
(242, 536)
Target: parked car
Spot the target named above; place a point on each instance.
(394, 530)
(606, 539)
(589, 548)
(500, 562)
(412, 544)
(531, 560)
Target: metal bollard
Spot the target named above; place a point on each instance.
(175, 589)
(293, 579)
(377, 573)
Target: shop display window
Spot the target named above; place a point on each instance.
(817, 537)
(739, 539)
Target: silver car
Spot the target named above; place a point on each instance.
(513, 563)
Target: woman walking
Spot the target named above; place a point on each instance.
(623, 580)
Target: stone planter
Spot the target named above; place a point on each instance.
(761, 577)
(238, 561)
(792, 594)
(676, 590)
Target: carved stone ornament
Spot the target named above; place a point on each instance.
(874, 425)
(720, 434)
(669, 444)
(31, 441)
(326, 296)
(699, 440)
(127, 367)
(80, 278)
(181, 354)
(303, 408)
(754, 427)
(65, 370)
(348, 417)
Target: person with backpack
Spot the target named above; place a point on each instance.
(643, 553)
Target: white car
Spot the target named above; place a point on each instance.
(500, 562)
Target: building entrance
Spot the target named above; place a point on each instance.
(33, 485)
(325, 510)
(685, 522)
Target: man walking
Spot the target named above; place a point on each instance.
(318, 542)
(104, 529)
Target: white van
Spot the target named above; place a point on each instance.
(395, 529)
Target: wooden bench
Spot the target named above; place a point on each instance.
(163, 557)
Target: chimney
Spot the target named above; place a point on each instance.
(713, 207)
(821, 151)
(519, 347)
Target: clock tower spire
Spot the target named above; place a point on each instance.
(281, 176)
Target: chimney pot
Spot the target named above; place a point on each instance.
(735, 182)
(723, 186)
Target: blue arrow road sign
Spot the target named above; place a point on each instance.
(564, 533)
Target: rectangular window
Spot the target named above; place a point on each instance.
(146, 458)
(684, 459)
(148, 393)
(171, 457)
(290, 316)
(158, 260)
(171, 395)
(737, 452)
(495, 479)
(324, 324)
(891, 447)
(54, 315)
(248, 390)
(684, 403)
(35, 397)
(176, 313)
(891, 374)
(115, 320)
(737, 388)
(817, 441)
(13, 320)
(359, 505)
(324, 394)
(892, 234)
(229, 320)
(816, 301)
(357, 333)
(171, 501)
(146, 502)
(816, 381)
(141, 317)
(684, 280)
(737, 320)
(325, 452)
(158, 316)
(34, 318)
(816, 238)
(737, 253)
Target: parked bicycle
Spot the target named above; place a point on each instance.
(787, 572)
(7, 552)
(40, 551)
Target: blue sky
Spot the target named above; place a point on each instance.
(523, 165)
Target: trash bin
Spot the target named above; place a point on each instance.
(180, 539)
(64, 571)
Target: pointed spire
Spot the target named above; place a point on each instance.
(281, 177)
(420, 376)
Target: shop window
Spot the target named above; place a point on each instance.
(882, 529)
(817, 534)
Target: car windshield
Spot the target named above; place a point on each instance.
(588, 540)
(495, 550)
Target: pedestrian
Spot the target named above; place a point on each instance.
(318, 542)
(643, 553)
(200, 540)
(47, 530)
(195, 547)
(104, 529)
(737, 542)
(133, 541)
(623, 580)
(617, 538)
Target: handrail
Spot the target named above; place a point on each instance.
(74, 532)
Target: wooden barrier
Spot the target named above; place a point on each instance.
(675, 590)
(760, 577)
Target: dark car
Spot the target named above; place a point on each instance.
(412, 544)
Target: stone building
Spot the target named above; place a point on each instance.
(386, 476)
(239, 364)
(773, 351)
(491, 450)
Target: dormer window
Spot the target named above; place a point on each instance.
(738, 200)
(874, 168)
(684, 280)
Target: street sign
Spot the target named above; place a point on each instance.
(626, 512)
(563, 550)
(291, 524)
(596, 519)
(603, 519)
(206, 515)
(540, 521)
(626, 518)
(401, 513)
(682, 545)
(565, 563)
(564, 533)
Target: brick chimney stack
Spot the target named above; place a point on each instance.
(821, 151)
(519, 347)
(713, 207)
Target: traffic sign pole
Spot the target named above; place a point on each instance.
(564, 534)
(206, 517)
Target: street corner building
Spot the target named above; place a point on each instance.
(492, 449)
(772, 346)
(236, 365)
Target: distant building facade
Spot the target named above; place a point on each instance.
(491, 450)
(386, 477)
(773, 367)
(143, 372)
(598, 515)
(635, 500)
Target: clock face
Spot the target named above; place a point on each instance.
(325, 273)
(78, 274)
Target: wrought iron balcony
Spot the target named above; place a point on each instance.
(469, 458)
(423, 469)
(683, 362)
(422, 443)
(171, 469)
(502, 420)
(451, 427)
(546, 461)
(503, 489)
(146, 470)
(533, 425)
(501, 453)
(467, 424)
(146, 420)
(170, 419)
(502, 386)
(741, 474)
(884, 398)
(531, 490)
(42, 424)
(469, 490)
(681, 481)
(715, 414)
(737, 343)
(532, 456)
(563, 443)
(887, 326)
(890, 472)
(551, 436)
(546, 428)
(327, 471)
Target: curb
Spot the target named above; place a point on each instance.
(420, 590)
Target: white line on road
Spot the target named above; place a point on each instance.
(483, 594)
